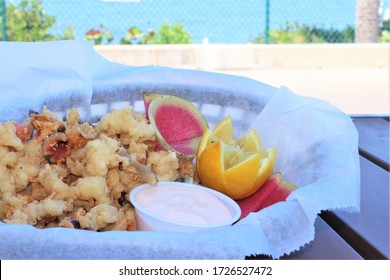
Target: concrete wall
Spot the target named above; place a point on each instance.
(251, 56)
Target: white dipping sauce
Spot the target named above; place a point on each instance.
(181, 204)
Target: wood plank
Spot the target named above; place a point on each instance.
(374, 139)
(368, 231)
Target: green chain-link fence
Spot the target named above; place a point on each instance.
(181, 21)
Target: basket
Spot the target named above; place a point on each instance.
(276, 230)
(216, 99)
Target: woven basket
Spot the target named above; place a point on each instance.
(216, 101)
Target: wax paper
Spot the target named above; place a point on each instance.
(316, 149)
(33, 75)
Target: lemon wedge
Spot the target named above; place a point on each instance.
(237, 168)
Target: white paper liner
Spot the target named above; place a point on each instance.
(317, 149)
(316, 145)
(33, 75)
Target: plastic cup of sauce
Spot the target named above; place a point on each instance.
(182, 207)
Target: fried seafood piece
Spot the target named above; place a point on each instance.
(4, 209)
(37, 192)
(120, 184)
(99, 217)
(126, 220)
(56, 147)
(6, 181)
(32, 213)
(18, 217)
(135, 171)
(187, 170)
(11, 203)
(24, 131)
(28, 164)
(72, 221)
(46, 124)
(94, 187)
(126, 121)
(69, 222)
(8, 157)
(186, 167)
(76, 162)
(33, 152)
(50, 178)
(81, 211)
(141, 146)
(73, 117)
(80, 207)
(8, 160)
(8, 136)
(115, 186)
(164, 165)
(23, 174)
(79, 134)
(139, 149)
(47, 207)
(101, 155)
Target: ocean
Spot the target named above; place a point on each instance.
(220, 21)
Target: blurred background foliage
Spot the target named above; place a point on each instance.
(26, 20)
(295, 33)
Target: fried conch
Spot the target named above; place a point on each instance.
(69, 173)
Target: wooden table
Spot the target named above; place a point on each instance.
(368, 231)
(364, 235)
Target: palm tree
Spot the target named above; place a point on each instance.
(367, 21)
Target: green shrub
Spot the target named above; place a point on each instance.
(384, 36)
(99, 36)
(68, 34)
(172, 34)
(134, 35)
(294, 33)
(346, 35)
(28, 22)
(166, 34)
(287, 34)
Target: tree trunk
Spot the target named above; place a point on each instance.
(367, 21)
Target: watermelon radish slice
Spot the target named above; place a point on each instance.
(273, 191)
(148, 97)
(179, 125)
